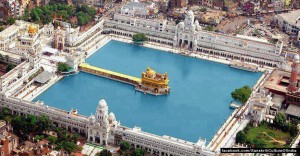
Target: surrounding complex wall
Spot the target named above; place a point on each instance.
(188, 34)
(103, 128)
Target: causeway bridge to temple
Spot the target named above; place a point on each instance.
(110, 74)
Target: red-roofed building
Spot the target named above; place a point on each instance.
(8, 141)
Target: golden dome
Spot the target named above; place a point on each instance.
(32, 29)
(150, 72)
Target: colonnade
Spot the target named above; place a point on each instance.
(240, 57)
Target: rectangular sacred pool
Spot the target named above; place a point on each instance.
(196, 107)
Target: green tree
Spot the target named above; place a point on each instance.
(293, 130)
(139, 152)
(241, 94)
(34, 15)
(44, 14)
(81, 20)
(1, 28)
(71, 10)
(30, 123)
(11, 20)
(9, 67)
(62, 67)
(18, 123)
(43, 124)
(52, 139)
(294, 122)
(39, 137)
(124, 145)
(258, 143)
(91, 11)
(104, 152)
(47, 18)
(280, 120)
(69, 146)
(75, 137)
(209, 28)
(6, 111)
(203, 9)
(5, 114)
(240, 137)
(139, 38)
(64, 14)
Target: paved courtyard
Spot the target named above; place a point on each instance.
(91, 150)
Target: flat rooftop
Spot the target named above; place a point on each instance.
(8, 31)
(252, 38)
(291, 17)
(293, 110)
(277, 100)
(15, 56)
(43, 77)
(274, 81)
(131, 5)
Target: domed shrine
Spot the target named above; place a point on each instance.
(32, 29)
(154, 83)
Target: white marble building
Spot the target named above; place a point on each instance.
(135, 8)
(102, 128)
(188, 34)
(101, 124)
(70, 39)
(259, 106)
(21, 38)
(289, 22)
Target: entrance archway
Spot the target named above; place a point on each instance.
(180, 41)
(97, 140)
(191, 45)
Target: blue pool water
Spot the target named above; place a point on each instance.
(197, 106)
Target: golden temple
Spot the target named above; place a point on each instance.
(151, 82)
(32, 29)
(154, 83)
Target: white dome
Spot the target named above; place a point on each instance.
(111, 116)
(296, 58)
(92, 118)
(102, 103)
(190, 13)
(180, 25)
(193, 27)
